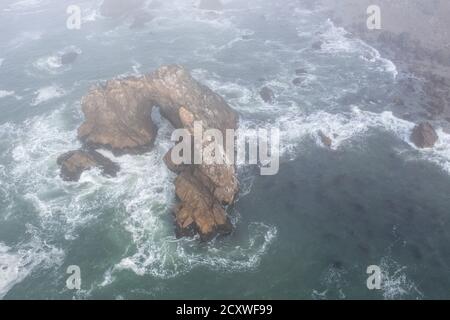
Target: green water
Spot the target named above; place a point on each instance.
(309, 232)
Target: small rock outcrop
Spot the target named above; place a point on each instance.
(118, 118)
(74, 163)
(326, 141)
(424, 135)
(176, 168)
(69, 57)
(267, 95)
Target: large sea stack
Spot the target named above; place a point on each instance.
(118, 118)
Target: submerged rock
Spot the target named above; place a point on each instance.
(118, 117)
(267, 95)
(325, 139)
(69, 57)
(74, 163)
(176, 168)
(424, 135)
(298, 81)
(317, 45)
(301, 71)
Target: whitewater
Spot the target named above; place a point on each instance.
(309, 232)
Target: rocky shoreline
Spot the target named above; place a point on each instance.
(118, 118)
(414, 35)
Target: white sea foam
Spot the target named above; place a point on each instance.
(338, 40)
(91, 14)
(395, 281)
(36, 144)
(234, 93)
(334, 281)
(52, 63)
(4, 93)
(175, 257)
(374, 56)
(33, 176)
(343, 127)
(26, 5)
(48, 63)
(47, 93)
(179, 12)
(143, 191)
(136, 67)
(19, 262)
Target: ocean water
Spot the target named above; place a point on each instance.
(309, 232)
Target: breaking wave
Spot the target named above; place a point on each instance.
(338, 40)
(19, 262)
(395, 281)
(4, 93)
(47, 93)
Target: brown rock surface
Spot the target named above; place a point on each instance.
(199, 212)
(182, 100)
(424, 135)
(118, 117)
(74, 163)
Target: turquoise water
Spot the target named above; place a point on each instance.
(308, 232)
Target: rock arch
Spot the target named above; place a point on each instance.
(118, 118)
